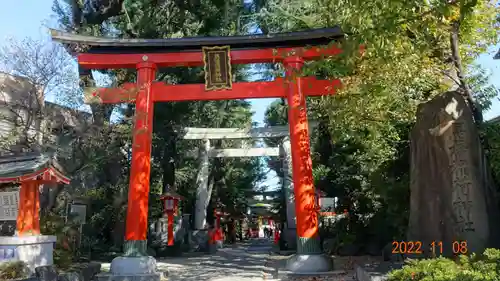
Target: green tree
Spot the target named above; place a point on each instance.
(412, 51)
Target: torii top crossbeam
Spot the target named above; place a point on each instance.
(193, 133)
(111, 53)
(165, 52)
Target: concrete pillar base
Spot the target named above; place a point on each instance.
(133, 265)
(35, 251)
(131, 269)
(309, 263)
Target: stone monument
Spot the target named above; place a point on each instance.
(453, 198)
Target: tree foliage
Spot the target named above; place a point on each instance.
(361, 148)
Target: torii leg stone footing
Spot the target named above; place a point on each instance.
(309, 257)
(135, 248)
(309, 263)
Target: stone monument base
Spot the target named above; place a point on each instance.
(131, 269)
(35, 251)
(318, 276)
(376, 271)
(137, 277)
(306, 264)
(199, 240)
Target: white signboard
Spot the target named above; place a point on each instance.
(9, 205)
(328, 203)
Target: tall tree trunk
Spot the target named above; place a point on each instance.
(457, 63)
(169, 160)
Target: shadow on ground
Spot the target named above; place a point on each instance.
(248, 261)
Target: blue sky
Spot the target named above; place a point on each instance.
(26, 18)
(23, 22)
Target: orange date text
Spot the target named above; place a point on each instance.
(407, 247)
(436, 247)
(457, 247)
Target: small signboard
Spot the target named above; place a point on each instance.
(8, 253)
(217, 65)
(77, 213)
(9, 205)
(328, 203)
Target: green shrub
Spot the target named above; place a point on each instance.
(484, 267)
(13, 270)
(65, 251)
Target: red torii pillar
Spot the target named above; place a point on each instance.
(305, 196)
(138, 195)
(294, 87)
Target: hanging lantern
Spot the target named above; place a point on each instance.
(170, 204)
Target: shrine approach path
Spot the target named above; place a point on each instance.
(241, 262)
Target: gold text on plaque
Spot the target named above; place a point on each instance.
(217, 66)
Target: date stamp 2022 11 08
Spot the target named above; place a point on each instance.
(417, 247)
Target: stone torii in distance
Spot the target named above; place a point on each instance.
(206, 152)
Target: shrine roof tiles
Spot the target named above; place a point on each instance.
(322, 36)
(16, 166)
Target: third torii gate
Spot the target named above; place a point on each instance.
(216, 54)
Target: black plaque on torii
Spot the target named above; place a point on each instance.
(217, 66)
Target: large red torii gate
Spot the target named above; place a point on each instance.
(147, 55)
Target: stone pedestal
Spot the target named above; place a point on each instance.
(131, 269)
(219, 244)
(199, 240)
(37, 250)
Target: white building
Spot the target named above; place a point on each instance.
(28, 122)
